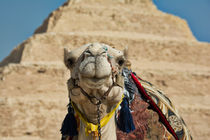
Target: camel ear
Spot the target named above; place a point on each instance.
(66, 54)
(126, 55)
(126, 52)
(68, 59)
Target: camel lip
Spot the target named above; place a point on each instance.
(94, 81)
(94, 78)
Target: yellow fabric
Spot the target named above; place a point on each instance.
(90, 127)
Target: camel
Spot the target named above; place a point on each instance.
(97, 90)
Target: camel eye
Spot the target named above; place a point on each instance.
(121, 61)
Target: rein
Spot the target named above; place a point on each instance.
(98, 103)
(90, 127)
(98, 99)
(104, 121)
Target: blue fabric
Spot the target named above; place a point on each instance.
(125, 120)
(69, 125)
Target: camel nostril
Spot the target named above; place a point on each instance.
(87, 53)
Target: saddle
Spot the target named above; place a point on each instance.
(150, 114)
(154, 115)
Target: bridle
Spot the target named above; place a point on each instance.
(98, 103)
(117, 80)
(104, 96)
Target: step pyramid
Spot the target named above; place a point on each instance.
(162, 50)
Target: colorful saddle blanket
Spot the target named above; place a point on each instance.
(154, 115)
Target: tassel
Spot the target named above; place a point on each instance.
(69, 125)
(125, 120)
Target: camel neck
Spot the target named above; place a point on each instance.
(108, 132)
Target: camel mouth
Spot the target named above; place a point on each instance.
(95, 82)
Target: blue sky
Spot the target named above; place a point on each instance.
(196, 12)
(19, 18)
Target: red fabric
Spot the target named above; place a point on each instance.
(154, 106)
(140, 116)
(146, 122)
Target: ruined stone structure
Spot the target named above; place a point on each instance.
(162, 50)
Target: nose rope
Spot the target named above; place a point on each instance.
(99, 122)
(98, 103)
(99, 100)
(93, 97)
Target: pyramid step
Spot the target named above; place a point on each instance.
(48, 47)
(95, 16)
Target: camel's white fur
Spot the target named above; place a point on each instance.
(93, 65)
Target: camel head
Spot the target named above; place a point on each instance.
(94, 65)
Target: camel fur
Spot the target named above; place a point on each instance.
(95, 67)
